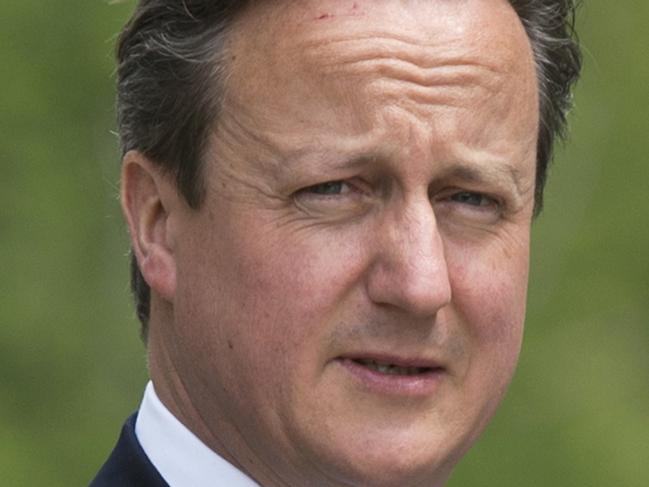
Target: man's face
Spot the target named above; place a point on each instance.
(350, 298)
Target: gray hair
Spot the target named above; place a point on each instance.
(172, 60)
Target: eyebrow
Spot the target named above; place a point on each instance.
(494, 173)
(331, 159)
(497, 172)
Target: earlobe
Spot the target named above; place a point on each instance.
(143, 186)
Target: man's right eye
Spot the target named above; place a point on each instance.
(338, 198)
(328, 189)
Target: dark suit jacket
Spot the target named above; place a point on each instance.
(128, 465)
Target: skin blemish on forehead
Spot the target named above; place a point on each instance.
(353, 10)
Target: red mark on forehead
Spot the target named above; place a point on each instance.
(353, 10)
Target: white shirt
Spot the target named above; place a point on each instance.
(177, 454)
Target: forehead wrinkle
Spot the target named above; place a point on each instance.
(342, 50)
(450, 85)
(427, 73)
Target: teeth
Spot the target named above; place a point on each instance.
(390, 369)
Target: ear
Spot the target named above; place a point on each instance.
(145, 196)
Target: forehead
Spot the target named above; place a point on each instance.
(358, 61)
(296, 39)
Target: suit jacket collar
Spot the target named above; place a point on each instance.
(128, 465)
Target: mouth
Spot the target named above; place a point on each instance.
(394, 376)
(389, 368)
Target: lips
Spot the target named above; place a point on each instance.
(391, 368)
(393, 376)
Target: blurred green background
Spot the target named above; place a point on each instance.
(71, 363)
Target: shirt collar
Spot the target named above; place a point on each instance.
(180, 457)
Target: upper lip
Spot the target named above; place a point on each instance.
(391, 359)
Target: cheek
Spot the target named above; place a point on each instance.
(275, 297)
(278, 303)
(489, 292)
(246, 312)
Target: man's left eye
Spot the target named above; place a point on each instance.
(472, 199)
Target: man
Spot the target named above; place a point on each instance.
(330, 206)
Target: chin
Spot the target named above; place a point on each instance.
(395, 470)
(391, 460)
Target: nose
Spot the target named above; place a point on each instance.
(410, 270)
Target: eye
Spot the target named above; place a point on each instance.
(330, 188)
(473, 199)
(461, 206)
(338, 198)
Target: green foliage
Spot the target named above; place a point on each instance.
(72, 364)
